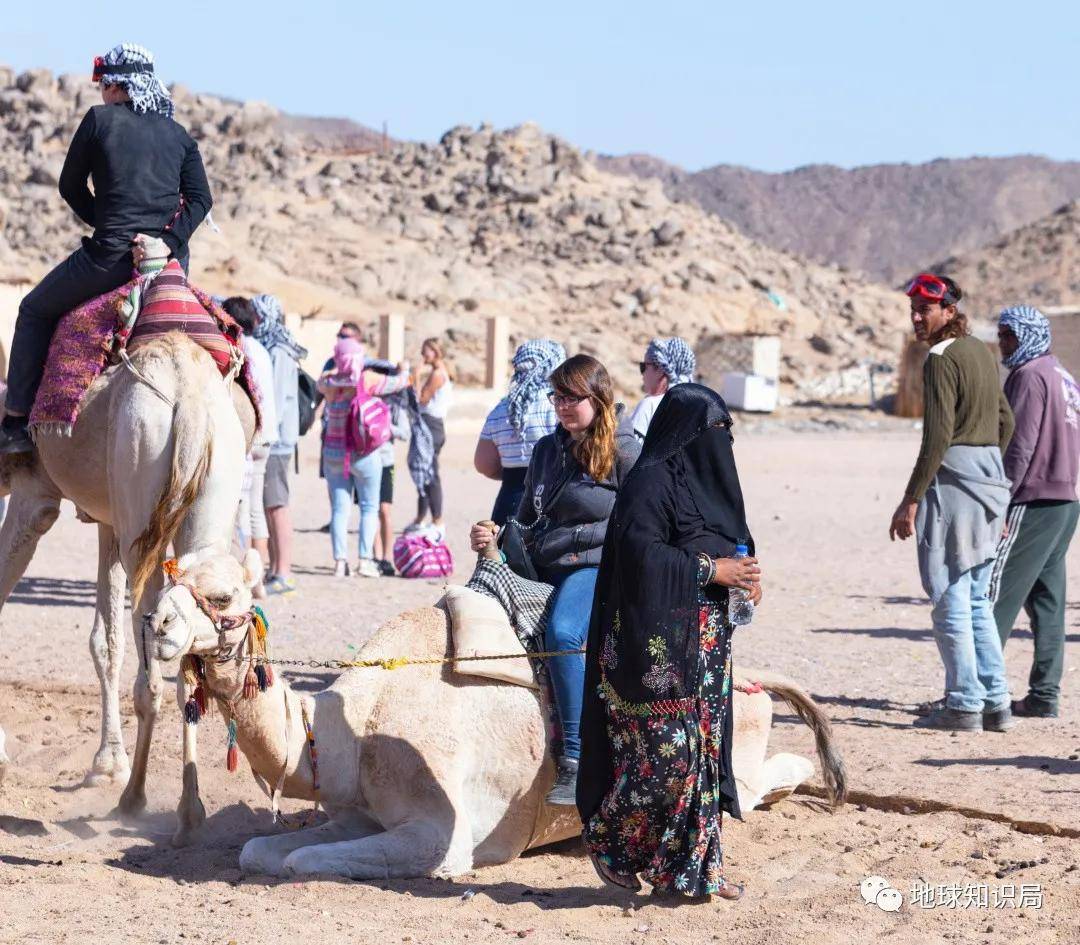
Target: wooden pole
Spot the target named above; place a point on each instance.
(497, 353)
(392, 337)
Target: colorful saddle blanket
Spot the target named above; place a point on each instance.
(94, 334)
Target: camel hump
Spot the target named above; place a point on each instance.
(423, 633)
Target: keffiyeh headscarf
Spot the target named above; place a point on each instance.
(271, 331)
(348, 363)
(1032, 330)
(533, 363)
(146, 91)
(674, 357)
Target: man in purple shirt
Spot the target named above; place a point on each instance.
(1042, 461)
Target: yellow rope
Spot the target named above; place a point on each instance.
(396, 662)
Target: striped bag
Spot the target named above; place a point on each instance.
(419, 556)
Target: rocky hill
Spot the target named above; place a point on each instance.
(885, 220)
(482, 222)
(1038, 264)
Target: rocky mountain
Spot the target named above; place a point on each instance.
(1038, 264)
(482, 222)
(885, 220)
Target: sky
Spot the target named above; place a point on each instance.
(769, 85)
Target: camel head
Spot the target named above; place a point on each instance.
(205, 610)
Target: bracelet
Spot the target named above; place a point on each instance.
(706, 569)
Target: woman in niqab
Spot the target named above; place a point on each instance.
(656, 725)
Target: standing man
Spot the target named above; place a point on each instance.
(285, 355)
(1043, 460)
(955, 503)
(668, 361)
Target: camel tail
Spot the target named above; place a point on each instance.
(193, 450)
(803, 705)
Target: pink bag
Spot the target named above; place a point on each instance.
(369, 424)
(418, 556)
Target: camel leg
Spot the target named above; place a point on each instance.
(148, 691)
(268, 854)
(190, 813)
(415, 848)
(33, 508)
(107, 651)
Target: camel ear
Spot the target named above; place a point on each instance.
(253, 567)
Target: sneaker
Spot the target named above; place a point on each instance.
(925, 708)
(437, 533)
(341, 568)
(281, 587)
(412, 527)
(15, 436)
(368, 568)
(1033, 710)
(999, 720)
(564, 791)
(386, 568)
(952, 719)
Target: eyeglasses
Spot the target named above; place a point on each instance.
(563, 400)
(646, 364)
(927, 286)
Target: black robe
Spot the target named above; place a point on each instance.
(683, 497)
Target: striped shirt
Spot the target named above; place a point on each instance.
(515, 451)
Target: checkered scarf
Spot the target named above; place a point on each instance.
(146, 91)
(421, 458)
(674, 357)
(533, 363)
(1032, 330)
(271, 331)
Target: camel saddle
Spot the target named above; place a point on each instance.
(102, 330)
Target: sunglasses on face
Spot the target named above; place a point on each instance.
(563, 400)
(646, 364)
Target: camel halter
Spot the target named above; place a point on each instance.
(259, 678)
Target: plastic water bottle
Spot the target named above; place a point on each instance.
(740, 608)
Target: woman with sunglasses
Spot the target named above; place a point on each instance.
(955, 502)
(570, 489)
(668, 362)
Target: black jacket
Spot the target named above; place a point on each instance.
(573, 536)
(141, 165)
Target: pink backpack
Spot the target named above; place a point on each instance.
(418, 556)
(369, 424)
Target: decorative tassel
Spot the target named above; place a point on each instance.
(200, 699)
(232, 755)
(190, 668)
(192, 713)
(261, 623)
(251, 682)
(260, 675)
(171, 570)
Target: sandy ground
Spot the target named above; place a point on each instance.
(844, 615)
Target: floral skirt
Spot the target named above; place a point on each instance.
(661, 818)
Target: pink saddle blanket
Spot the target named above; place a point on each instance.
(88, 336)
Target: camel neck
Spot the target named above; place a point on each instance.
(267, 735)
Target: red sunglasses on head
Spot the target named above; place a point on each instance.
(927, 286)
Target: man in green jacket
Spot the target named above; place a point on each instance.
(955, 503)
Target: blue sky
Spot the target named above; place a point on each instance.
(769, 85)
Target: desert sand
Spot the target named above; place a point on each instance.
(844, 615)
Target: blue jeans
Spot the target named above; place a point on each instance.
(970, 647)
(365, 475)
(568, 629)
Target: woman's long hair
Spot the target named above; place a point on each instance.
(584, 376)
(440, 357)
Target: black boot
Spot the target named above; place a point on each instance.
(14, 436)
(564, 790)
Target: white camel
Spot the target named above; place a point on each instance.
(422, 771)
(156, 456)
